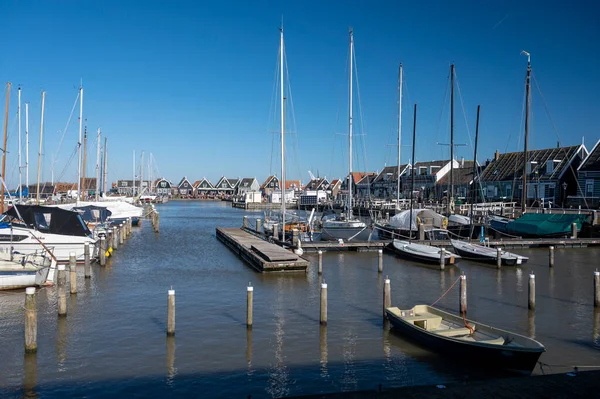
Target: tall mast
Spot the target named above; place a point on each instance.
(20, 160)
(27, 146)
(79, 142)
(474, 185)
(133, 187)
(282, 89)
(451, 193)
(84, 165)
(141, 173)
(349, 216)
(4, 148)
(97, 165)
(412, 174)
(104, 171)
(525, 155)
(399, 134)
(37, 191)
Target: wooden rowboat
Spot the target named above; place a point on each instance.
(481, 345)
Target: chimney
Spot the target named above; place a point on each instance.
(496, 155)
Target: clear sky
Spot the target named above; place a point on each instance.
(192, 81)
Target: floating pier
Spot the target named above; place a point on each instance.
(260, 254)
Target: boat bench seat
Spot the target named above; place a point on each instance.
(494, 341)
(453, 332)
(427, 321)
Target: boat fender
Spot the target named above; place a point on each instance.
(445, 223)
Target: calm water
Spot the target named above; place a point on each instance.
(113, 341)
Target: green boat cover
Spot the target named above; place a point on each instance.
(541, 225)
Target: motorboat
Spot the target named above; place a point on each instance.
(487, 254)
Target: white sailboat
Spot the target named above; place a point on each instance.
(345, 226)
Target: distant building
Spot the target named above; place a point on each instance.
(203, 188)
(247, 184)
(163, 187)
(126, 187)
(270, 185)
(185, 188)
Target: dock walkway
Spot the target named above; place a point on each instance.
(260, 254)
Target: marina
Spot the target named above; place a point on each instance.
(114, 339)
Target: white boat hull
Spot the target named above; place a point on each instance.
(346, 231)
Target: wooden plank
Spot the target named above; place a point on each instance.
(274, 254)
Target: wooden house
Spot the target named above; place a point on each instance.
(427, 175)
(224, 188)
(588, 182)
(163, 187)
(185, 188)
(247, 184)
(204, 188)
(551, 175)
(270, 185)
(126, 187)
(385, 184)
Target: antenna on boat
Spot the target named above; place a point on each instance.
(523, 52)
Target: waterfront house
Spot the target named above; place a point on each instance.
(316, 184)
(385, 184)
(185, 188)
(163, 187)
(315, 192)
(427, 175)
(335, 186)
(234, 182)
(588, 182)
(462, 179)
(361, 185)
(203, 188)
(551, 175)
(224, 188)
(126, 187)
(247, 184)
(269, 185)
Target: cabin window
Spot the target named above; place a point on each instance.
(589, 187)
(42, 221)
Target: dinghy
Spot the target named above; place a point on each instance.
(423, 253)
(481, 345)
(486, 254)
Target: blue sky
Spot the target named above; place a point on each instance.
(192, 82)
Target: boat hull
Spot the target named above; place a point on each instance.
(500, 357)
(415, 256)
(11, 280)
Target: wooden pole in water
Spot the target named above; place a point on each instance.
(320, 262)
(463, 294)
(73, 273)
(30, 320)
(387, 295)
(62, 290)
(102, 254)
(442, 259)
(574, 230)
(551, 257)
(498, 258)
(531, 301)
(249, 298)
(115, 238)
(87, 266)
(597, 289)
(122, 233)
(323, 318)
(276, 231)
(245, 222)
(258, 225)
(157, 228)
(171, 313)
(380, 266)
(421, 228)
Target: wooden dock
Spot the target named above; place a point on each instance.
(358, 246)
(263, 256)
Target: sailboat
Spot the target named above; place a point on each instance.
(345, 226)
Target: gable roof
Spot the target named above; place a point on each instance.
(266, 183)
(391, 172)
(185, 179)
(247, 181)
(592, 161)
(233, 182)
(440, 164)
(335, 182)
(367, 178)
(197, 183)
(293, 184)
(462, 175)
(317, 184)
(509, 166)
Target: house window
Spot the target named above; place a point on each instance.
(550, 190)
(423, 170)
(434, 169)
(123, 184)
(509, 191)
(589, 187)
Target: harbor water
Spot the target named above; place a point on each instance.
(113, 341)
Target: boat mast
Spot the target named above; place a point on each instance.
(97, 164)
(141, 173)
(451, 193)
(20, 160)
(4, 148)
(399, 134)
(27, 147)
(474, 186)
(84, 163)
(412, 174)
(79, 142)
(105, 164)
(282, 183)
(37, 191)
(133, 187)
(527, 104)
(349, 215)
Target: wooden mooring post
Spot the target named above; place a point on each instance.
(72, 273)
(103, 249)
(463, 294)
(157, 223)
(115, 240)
(30, 320)
(171, 312)
(121, 233)
(245, 222)
(442, 259)
(421, 232)
(258, 225)
(62, 290)
(387, 296)
(531, 299)
(380, 264)
(320, 261)
(249, 300)
(574, 230)
(498, 258)
(551, 256)
(597, 289)
(323, 313)
(87, 265)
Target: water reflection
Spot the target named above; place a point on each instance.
(249, 350)
(499, 281)
(279, 374)
(30, 375)
(349, 381)
(323, 350)
(551, 281)
(61, 343)
(171, 370)
(519, 273)
(595, 328)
